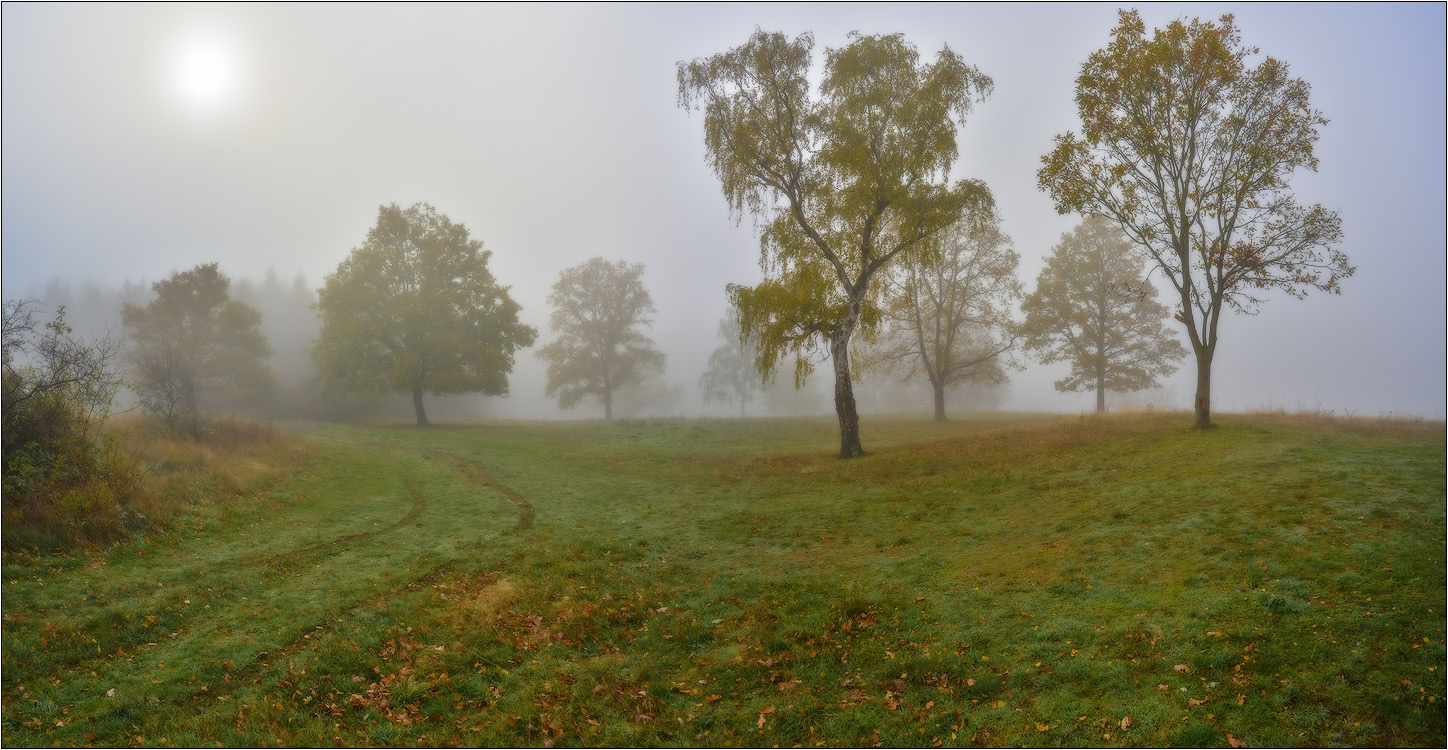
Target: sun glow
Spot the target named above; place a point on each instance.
(205, 74)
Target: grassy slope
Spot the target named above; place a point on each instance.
(982, 582)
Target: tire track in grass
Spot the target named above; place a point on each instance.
(177, 594)
(198, 701)
(317, 553)
(263, 660)
(419, 504)
(474, 474)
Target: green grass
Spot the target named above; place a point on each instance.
(1001, 581)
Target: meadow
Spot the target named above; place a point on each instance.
(999, 580)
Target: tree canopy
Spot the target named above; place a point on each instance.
(415, 310)
(193, 338)
(948, 316)
(599, 308)
(1190, 150)
(1093, 307)
(842, 184)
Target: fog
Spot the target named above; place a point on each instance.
(553, 133)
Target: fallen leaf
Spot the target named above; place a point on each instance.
(1234, 742)
(1125, 722)
(970, 683)
(1195, 701)
(111, 693)
(763, 712)
(1162, 688)
(1241, 699)
(1043, 727)
(1182, 668)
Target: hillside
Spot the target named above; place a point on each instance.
(1117, 580)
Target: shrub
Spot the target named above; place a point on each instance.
(63, 480)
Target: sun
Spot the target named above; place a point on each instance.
(204, 74)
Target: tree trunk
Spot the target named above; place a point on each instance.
(417, 405)
(608, 404)
(939, 389)
(1100, 386)
(1204, 389)
(845, 398)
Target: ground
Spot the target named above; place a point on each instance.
(1119, 580)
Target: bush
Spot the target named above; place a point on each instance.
(63, 480)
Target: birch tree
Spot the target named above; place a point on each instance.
(948, 317)
(842, 183)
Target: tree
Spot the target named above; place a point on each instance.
(732, 376)
(652, 397)
(598, 307)
(949, 316)
(1190, 151)
(193, 338)
(844, 184)
(291, 325)
(415, 309)
(1094, 308)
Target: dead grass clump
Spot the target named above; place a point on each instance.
(1319, 420)
(235, 458)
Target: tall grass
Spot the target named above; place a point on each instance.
(147, 478)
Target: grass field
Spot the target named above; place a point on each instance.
(996, 581)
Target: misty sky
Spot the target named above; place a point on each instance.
(554, 134)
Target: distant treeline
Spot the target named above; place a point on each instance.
(289, 321)
(291, 324)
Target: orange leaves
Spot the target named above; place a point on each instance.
(763, 712)
(1184, 669)
(1126, 722)
(1234, 742)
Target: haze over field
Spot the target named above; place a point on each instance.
(141, 140)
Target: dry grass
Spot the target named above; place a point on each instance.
(237, 458)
